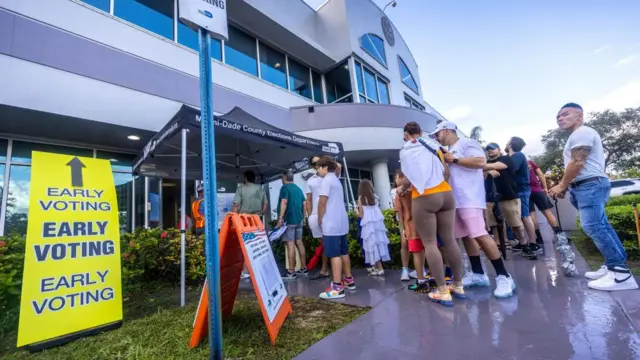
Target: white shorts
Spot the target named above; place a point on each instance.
(316, 231)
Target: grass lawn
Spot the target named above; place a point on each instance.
(155, 328)
(591, 254)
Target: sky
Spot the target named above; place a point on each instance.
(508, 65)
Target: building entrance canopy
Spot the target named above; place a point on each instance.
(243, 143)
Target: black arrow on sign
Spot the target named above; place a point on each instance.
(76, 171)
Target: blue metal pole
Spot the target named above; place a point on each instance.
(212, 247)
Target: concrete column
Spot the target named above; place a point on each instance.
(380, 172)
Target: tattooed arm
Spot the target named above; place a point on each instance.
(579, 156)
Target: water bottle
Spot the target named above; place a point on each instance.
(567, 254)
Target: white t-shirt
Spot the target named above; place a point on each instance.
(335, 221)
(467, 184)
(313, 186)
(586, 136)
(421, 167)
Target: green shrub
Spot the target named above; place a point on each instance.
(623, 222)
(624, 200)
(11, 264)
(355, 250)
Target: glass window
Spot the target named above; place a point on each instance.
(374, 46)
(240, 51)
(189, 38)
(383, 89)
(406, 76)
(155, 16)
(119, 162)
(21, 151)
(155, 217)
(365, 174)
(98, 4)
(299, 79)
(2, 168)
(18, 200)
(4, 143)
(338, 83)
(370, 85)
(363, 100)
(273, 66)
(410, 102)
(359, 78)
(124, 188)
(139, 201)
(354, 173)
(318, 96)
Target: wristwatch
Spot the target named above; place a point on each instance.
(455, 161)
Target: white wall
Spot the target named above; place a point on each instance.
(33, 86)
(361, 138)
(103, 28)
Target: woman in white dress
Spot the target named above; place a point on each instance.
(375, 242)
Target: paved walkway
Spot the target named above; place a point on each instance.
(552, 317)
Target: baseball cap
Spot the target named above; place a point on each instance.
(492, 146)
(200, 188)
(445, 125)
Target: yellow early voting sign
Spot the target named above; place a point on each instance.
(71, 281)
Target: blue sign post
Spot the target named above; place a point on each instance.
(212, 247)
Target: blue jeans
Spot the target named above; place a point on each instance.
(590, 198)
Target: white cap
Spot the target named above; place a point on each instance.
(445, 125)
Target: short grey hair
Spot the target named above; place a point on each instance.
(288, 175)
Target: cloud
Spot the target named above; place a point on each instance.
(601, 49)
(626, 96)
(457, 113)
(628, 60)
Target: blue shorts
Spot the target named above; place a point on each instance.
(335, 246)
(524, 203)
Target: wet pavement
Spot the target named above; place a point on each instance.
(551, 317)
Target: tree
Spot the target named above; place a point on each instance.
(476, 134)
(620, 133)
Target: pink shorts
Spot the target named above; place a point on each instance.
(469, 222)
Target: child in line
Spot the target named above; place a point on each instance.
(374, 234)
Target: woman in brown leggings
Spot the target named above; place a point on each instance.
(433, 210)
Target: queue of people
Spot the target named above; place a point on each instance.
(450, 188)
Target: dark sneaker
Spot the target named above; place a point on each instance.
(527, 253)
(536, 249)
(349, 283)
(291, 276)
(420, 287)
(302, 272)
(517, 248)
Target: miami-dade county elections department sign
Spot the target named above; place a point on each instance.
(71, 280)
(207, 14)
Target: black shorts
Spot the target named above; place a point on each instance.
(540, 200)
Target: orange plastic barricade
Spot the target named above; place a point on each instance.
(244, 237)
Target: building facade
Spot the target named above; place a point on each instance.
(98, 78)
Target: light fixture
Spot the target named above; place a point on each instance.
(133, 137)
(277, 65)
(392, 3)
(113, 160)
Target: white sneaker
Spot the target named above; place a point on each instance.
(471, 279)
(616, 279)
(414, 274)
(376, 272)
(504, 287)
(245, 275)
(595, 275)
(405, 275)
